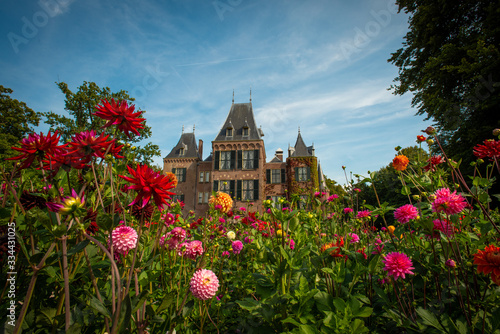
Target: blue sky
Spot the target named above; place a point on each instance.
(320, 65)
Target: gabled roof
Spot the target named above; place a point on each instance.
(301, 150)
(240, 116)
(188, 143)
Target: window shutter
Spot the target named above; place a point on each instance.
(256, 159)
(283, 173)
(216, 186)
(173, 170)
(268, 176)
(233, 160)
(231, 188)
(255, 190)
(308, 173)
(216, 161)
(238, 190)
(240, 159)
(184, 175)
(296, 173)
(182, 198)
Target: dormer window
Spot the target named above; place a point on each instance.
(245, 132)
(181, 151)
(229, 132)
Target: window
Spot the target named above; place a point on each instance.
(225, 160)
(229, 132)
(207, 177)
(248, 159)
(276, 201)
(247, 190)
(181, 151)
(202, 177)
(302, 174)
(200, 198)
(207, 195)
(226, 186)
(302, 201)
(275, 175)
(177, 198)
(180, 174)
(245, 132)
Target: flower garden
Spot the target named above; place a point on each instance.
(93, 243)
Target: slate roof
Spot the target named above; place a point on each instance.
(188, 142)
(301, 150)
(240, 116)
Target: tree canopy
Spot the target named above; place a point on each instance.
(81, 107)
(16, 121)
(450, 61)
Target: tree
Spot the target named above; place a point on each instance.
(16, 121)
(450, 61)
(81, 107)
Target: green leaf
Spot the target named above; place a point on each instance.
(358, 326)
(248, 304)
(78, 248)
(125, 315)
(429, 318)
(166, 302)
(307, 329)
(138, 301)
(98, 306)
(339, 304)
(291, 321)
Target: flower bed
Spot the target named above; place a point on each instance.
(93, 243)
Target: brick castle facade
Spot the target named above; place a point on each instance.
(238, 166)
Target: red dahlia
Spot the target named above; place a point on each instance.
(86, 144)
(149, 183)
(490, 149)
(120, 114)
(37, 145)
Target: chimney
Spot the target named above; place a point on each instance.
(200, 148)
(279, 154)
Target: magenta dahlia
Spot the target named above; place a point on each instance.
(404, 213)
(194, 249)
(397, 265)
(204, 284)
(237, 246)
(124, 239)
(448, 202)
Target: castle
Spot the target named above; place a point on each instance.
(237, 165)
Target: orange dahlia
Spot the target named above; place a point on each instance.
(336, 247)
(221, 201)
(171, 176)
(400, 162)
(488, 262)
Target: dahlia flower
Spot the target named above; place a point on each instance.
(124, 239)
(404, 213)
(444, 226)
(363, 214)
(87, 144)
(193, 249)
(223, 200)
(354, 238)
(120, 114)
(231, 235)
(37, 145)
(433, 162)
(420, 138)
(397, 265)
(348, 210)
(490, 149)
(149, 183)
(336, 247)
(448, 202)
(488, 262)
(237, 246)
(400, 162)
(204, 284)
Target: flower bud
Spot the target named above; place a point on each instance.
(430, 131)
(430, 141)
(450, 263)
(496, 132)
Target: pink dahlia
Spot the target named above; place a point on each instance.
(448, 202)
(178, 233)
(237, 246)
(444, 226)
(348, 210)
(363, 214)
(404, 213)
(204, 284)
(354, 238)
(124, 239)
(397, 265)
(194, 249)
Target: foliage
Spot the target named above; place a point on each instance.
(81, 107)
(450, 61)
(16, 121)
(320, 270)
